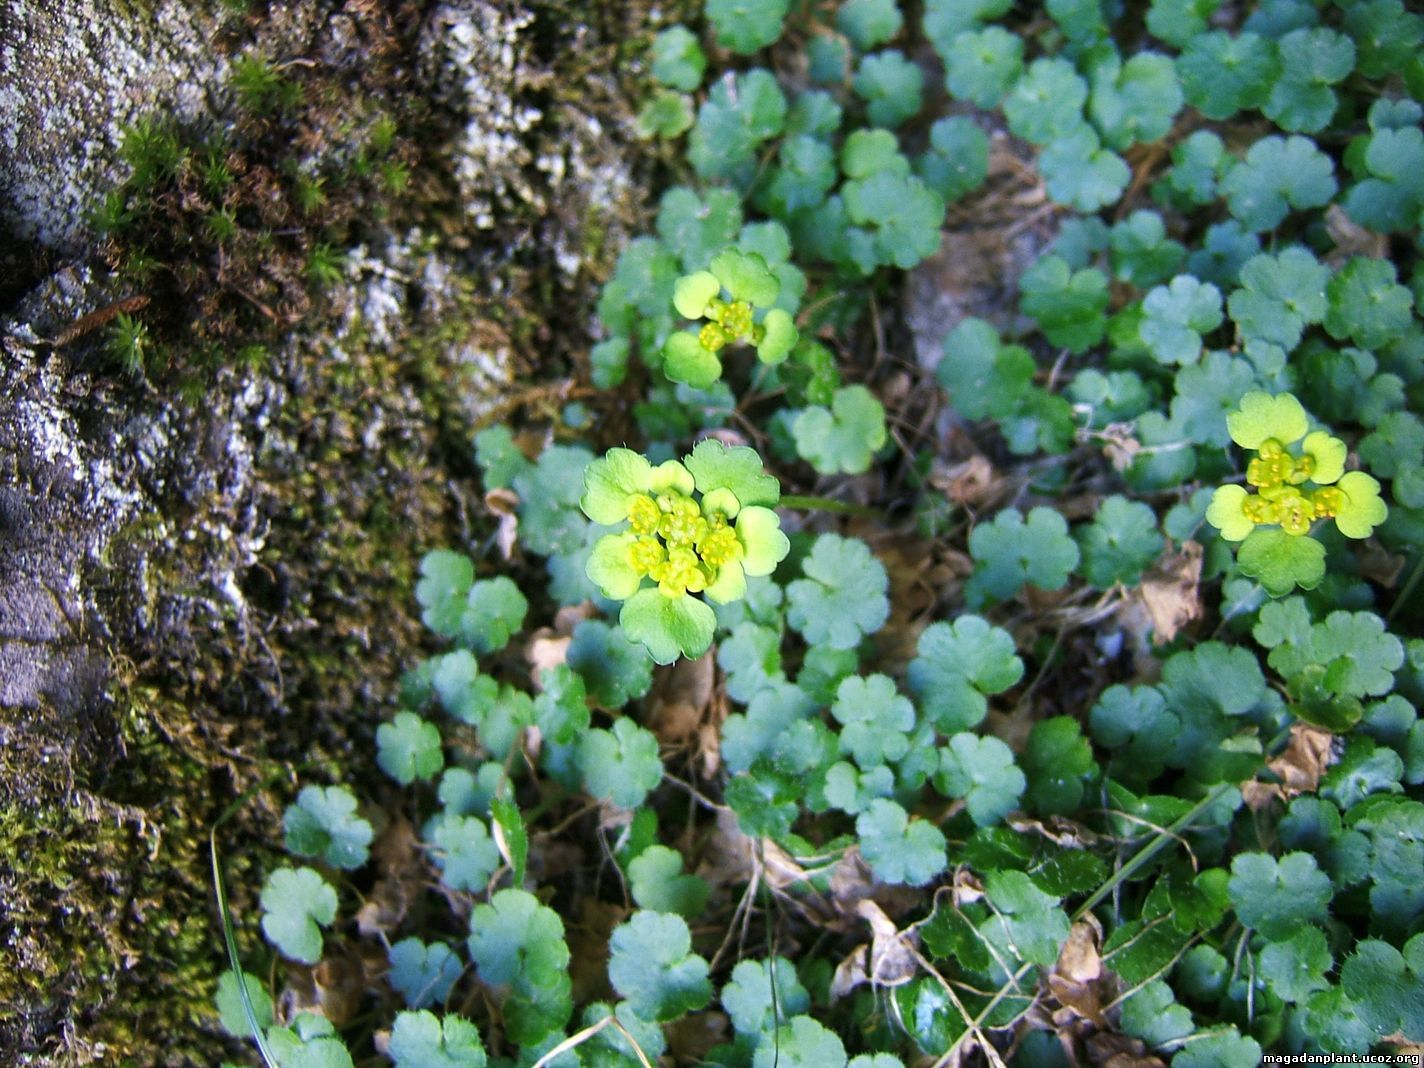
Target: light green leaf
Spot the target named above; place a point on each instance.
(296, 904)
(651, 963)
(621, 765)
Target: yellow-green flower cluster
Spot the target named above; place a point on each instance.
(727, 299)
(1298, 477)
(729, 321)
(676, 545)
(697, 527)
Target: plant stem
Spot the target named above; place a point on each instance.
(827, 504)
(1405, 593)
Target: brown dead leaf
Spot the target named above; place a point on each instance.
(957, 565)
(1075, 977)
(893, 959)
(852, 882)
(913, 595)
(1403, 1047)
(1299, 767)
(691, 1038)
(570, 616)
(545, 650)
(1380, 565)
(1078, 960)
(503, 503)
(397, 857)
(966, 888)
(896, 390)
(680, 698)
(967, 483)
(340, 983)
(731, 856)
(851, 972)
(1059, 830)
(1351, 239)
(548, 647)
(1110, 1050)
(1079, 506)
(1119, 446)
(588, 946)
(675, 722)
(553, 857)
(709, 748)
(1167, 598)
(1042, 602)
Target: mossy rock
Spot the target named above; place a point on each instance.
(206, 568)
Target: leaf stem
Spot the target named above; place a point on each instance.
(828, 504)
(1404, 594)
(1169, 834)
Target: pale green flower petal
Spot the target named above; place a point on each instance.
(759, 531)
(610, 481)
(747, 277)
(1328, 452)
(686, 361)
(1226, 515)
(1262, 417)
(1363, 510)
(721, 501)
(780, 337)
(671, 477)
(668, 626)
(608, 567)
(693, 291)
(730, 585)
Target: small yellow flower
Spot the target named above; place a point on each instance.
(646, 554)
(712, 337)
(1228, 512)
(736, 318)
(679, 574)
(643, 514)
(1259, 509)
(682, 525)
(719, 545)
(1294, 511)
(1271, 467)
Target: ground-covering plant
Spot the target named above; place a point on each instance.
(1072, 717)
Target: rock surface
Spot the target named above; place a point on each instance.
(73, 74)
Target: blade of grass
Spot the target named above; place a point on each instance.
(225, 914)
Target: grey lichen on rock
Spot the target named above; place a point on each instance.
(73, 74)
(471, 57)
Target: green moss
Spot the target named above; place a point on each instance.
(106, 905)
